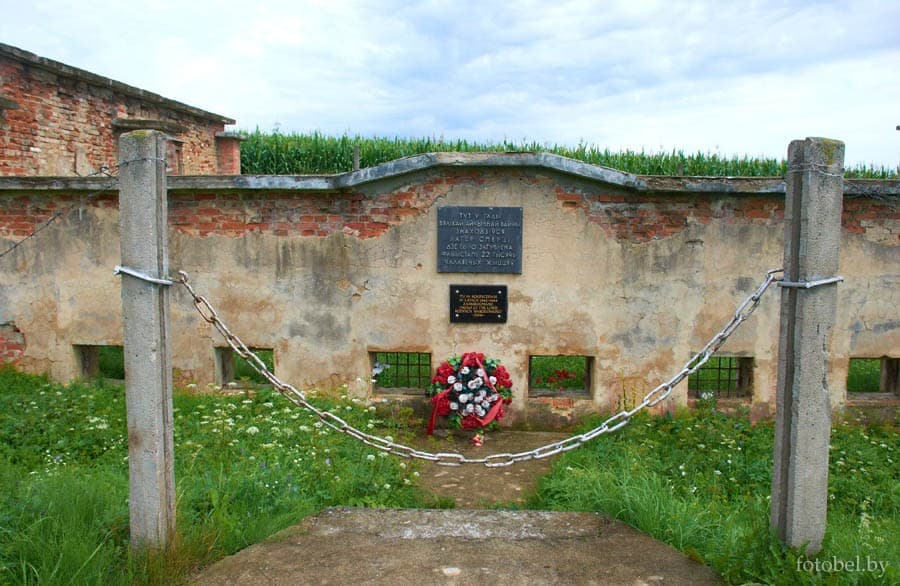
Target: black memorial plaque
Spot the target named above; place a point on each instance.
(483, 304)
(473, 239)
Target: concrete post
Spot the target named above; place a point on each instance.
(148, 371)
(803, 417)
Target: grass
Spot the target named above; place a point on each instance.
(111, 362)
(701, 481)
(244, 372)
(864, 375)
(246, 466)
(315, 153)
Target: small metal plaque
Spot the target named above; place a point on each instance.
(474, 239)
(483, 304)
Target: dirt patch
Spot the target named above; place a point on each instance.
(473, 486)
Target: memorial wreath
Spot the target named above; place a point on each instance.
(471, 390)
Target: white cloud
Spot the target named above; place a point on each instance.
(740, 77)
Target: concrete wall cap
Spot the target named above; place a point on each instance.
(418, 163)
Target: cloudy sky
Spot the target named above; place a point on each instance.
(715, 76)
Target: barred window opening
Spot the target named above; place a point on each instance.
(728, 377)
(398, 371)
(567, 376)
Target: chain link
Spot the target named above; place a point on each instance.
(611, 424)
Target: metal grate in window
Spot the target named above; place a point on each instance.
(400, 370)
(724, 376)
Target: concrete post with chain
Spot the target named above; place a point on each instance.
(812, 220)
(148, 371)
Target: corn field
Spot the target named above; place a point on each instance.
(318, 154)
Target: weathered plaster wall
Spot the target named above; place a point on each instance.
(638, 280)
(62, 121)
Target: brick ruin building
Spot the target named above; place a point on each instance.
(58, 120)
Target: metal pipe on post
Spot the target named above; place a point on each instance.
(812, 219)
(148, 356)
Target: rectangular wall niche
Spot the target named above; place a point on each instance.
(101, 361)
(724, 376)
(399, 372)
(560, 376)
(874, 375)
(234, 370)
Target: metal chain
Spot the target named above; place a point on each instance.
(617, 421)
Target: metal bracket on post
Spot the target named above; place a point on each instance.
(810, 284)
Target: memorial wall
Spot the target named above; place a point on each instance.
(516, 256)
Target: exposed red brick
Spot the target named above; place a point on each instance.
(12, 343)
(626, 217)
(63, 126)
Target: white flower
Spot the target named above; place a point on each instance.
(474, 384)
(252, 430)
(493, 379)
(470, 408)
(370, 457)
(451, 379)
(464, 370)
(454, 406)
(458, 387)
(480, 411)
(463, 398)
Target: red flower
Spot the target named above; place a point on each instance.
(470, 422)
(442, 405)
(502, 375)
(472, 359)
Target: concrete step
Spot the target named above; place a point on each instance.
(458, 547)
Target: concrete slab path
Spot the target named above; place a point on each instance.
(401, 547)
